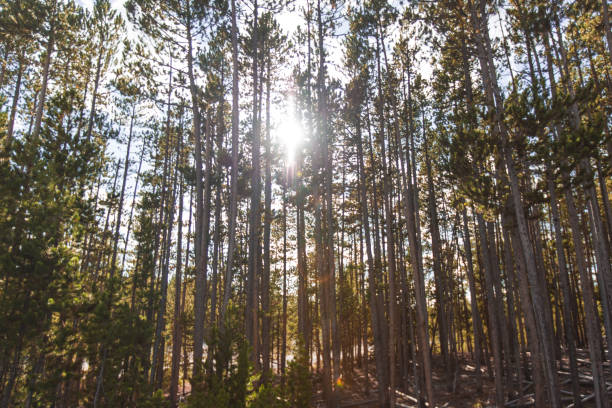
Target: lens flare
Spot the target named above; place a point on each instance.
(289, 134)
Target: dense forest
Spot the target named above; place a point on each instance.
(308, 203)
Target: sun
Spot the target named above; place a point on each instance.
(289, 134)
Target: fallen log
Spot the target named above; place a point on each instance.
(351, 404)
(403, 395)
(589, 397)
(524, 401)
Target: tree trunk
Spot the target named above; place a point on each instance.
(122, 194)
(265, 284)
(159, 345)
(322, 251)
(251, 315)
(94, 95)
(492, 309)
(134, 196)
(591, 320)
(410, 210)
(441, 290)
(568, 322)
(177, 322)
(234, 180)
(372, 284)
(11, 122)
(302, 267)
(42, 96)
(476, 321)
(495, 103)
(218, 207)
(199, 304)
(283, 356)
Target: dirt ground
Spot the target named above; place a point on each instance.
(459, 390)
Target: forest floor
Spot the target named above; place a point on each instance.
(461, 390)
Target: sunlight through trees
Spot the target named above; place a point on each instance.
(305, 203)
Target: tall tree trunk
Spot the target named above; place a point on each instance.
(303, 325)
(251, 315)
(372, 283)
(208, 175)
(134, 195)
(177, 319)
(184, 290)
(126, 168)
(528, 313)
(440, 280)
(378, 283)
(94, 95)
(283, 356)
(265, 284)
(321, 158)
(160, 325)
(495, 103)
(113, 266)
(492, 309)
(509, 278)
(476, 321)
(231, 247)
(568, 322)
(218, 207)
(389, 398)
(42, 96)
(199, 302)
(602, 246)
(11, 122)
(410, 210)
(591, 320)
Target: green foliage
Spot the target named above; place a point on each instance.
(299, 382)
(157, 400)
(226, 382)
(229, 380)
(268, 396)
(215, 394)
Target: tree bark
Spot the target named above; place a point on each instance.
(476, 321)
(42, 96)
(251, 315)
(492, 311)
(199, 304)
(177, 322)
(231, 247)
(265, 284)
(11, 122)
